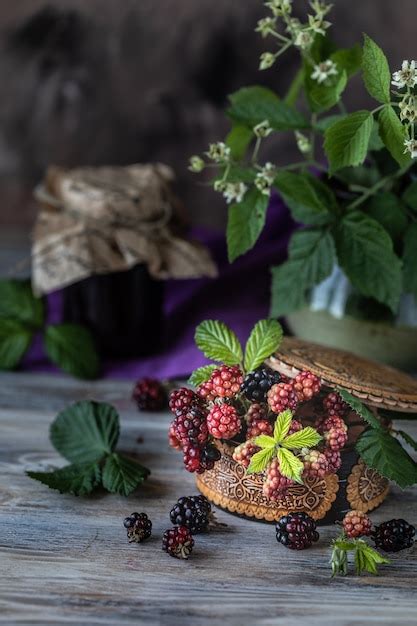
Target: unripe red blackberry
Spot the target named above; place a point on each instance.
(282, 396)
(334, 460)
(306, 385)
(394, 535)
(256, 411)
(295, 427)
(172, 439)
(327, 422)
(178, 542)
(296, 531)
(138, 526)
(276, 485)
(257, 383)
(315, 464)
(182, 400)
(223, 421)
(206, 391)
(259, 427)
(226, 381)
(149, 395)
(336, 438)
(356, 524)
(244, 453)
(198, 459)
(191, 427)
(334, 405)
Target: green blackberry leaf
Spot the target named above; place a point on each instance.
(282, 425)
(360, 409)
(311, 202)
(78, 480)
(265, 441)
(348, 59)
(71, 348)
(382, 452)
(376, 72)
(365, 252)
(260, 461)
(15, 339)
(201, 375)
(122, 475)
(393, 134)
(367, 559)
(306, 438)
(252, 105)
(86, 431)
(410, 260)
(290, 466)
(18, 303)
(387, 209)
(264, 340)
(346, 141)
(408, 439)
(238, 140)
(245, 223)
(324, 97)
(217, 342)
(410, 196)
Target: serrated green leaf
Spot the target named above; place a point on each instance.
(375, 141)
(366, 255)
(282, 425)
(71, 348)
(86, 431)
(15, 339)
(393, 134)
(410, 260)
(311, 201)
(305, 438)
(122, 475)
(348, 59)
(382, 452)
(218, 342)
(252, 105)
(376, 72)
(245, 223)
(367, 559)
(78, 480)
(360, 409)
(344, 544)
(311, 260)
(325, 122)
(238, 140)
(387, 209)
(260, 460)
(346, 142)
(290, 466)
(201, 375)
(265, 441)
(264, 340)
(410, 196)
(18, 303)
(323, 97)
(408, 439)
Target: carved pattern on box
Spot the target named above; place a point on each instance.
(366, 489)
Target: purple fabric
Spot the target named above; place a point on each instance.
(239, 297)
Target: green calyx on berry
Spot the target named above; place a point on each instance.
(366, 559)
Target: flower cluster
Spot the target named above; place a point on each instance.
(406, 79)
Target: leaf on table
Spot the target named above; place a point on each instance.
(264, 340)
(122, 475)
(77, 479)
(85, 431)
(18, 303)
(71, 348)
(15, 339)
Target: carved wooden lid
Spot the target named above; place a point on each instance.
(378, 385)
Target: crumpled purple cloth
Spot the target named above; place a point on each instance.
(240, 296)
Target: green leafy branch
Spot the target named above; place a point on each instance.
(281, 445)
(22, 314)
(366, 559)
(86, 434)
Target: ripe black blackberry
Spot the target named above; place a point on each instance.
(194, 512)
(257, 383)
(190, 428)
(296, 531)
(149, 395)
(183, 399)
(394, 535)
(178, 542)
(138, 526)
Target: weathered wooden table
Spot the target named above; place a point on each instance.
(66, 560)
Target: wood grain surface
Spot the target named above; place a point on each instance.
(66, 560)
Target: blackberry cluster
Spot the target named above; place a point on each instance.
(194, 512)
(356, 524)
(244, 453)
(138, 526)
(200, 459)
(282, 396)
(307, 385)
(178, 542)
(334, 405)
(316, 464)
(275, 485)
(296, 531)
(394, 535)
(182, 400)
(190, 428)
(223, 421)
(259, 427)
(257, 383)
(149, 395)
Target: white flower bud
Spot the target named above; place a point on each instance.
(304, 40)
(218, 152)
(324, 70)
(196, 164)
(263, 129)
(411, 147)
(406, 76)
(266, 26)
(267, 60)
(303, 142)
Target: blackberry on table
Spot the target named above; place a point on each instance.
(178, 542)
(193, 512)
(138, 526)
(356, 524)
(149, 395)
(394, 535)
(257, 383)
(296, 531)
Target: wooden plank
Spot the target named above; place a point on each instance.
(66, 560)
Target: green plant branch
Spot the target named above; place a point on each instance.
(371, 191)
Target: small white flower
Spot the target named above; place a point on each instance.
(219, 185)
(318, 24)
(411, 147)
(408, 109)
(265, 178)
(263, 129)
(218, 152)
(266, 26)
(196, 164)
(320, 8)
(303, 142)
(406, 76)
(279, 7)
(304, 40)
(267, 60)
(324, 70)
(234, 192)
(294, 26)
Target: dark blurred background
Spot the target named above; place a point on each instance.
(106, 82)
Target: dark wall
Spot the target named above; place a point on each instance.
(143, 80)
